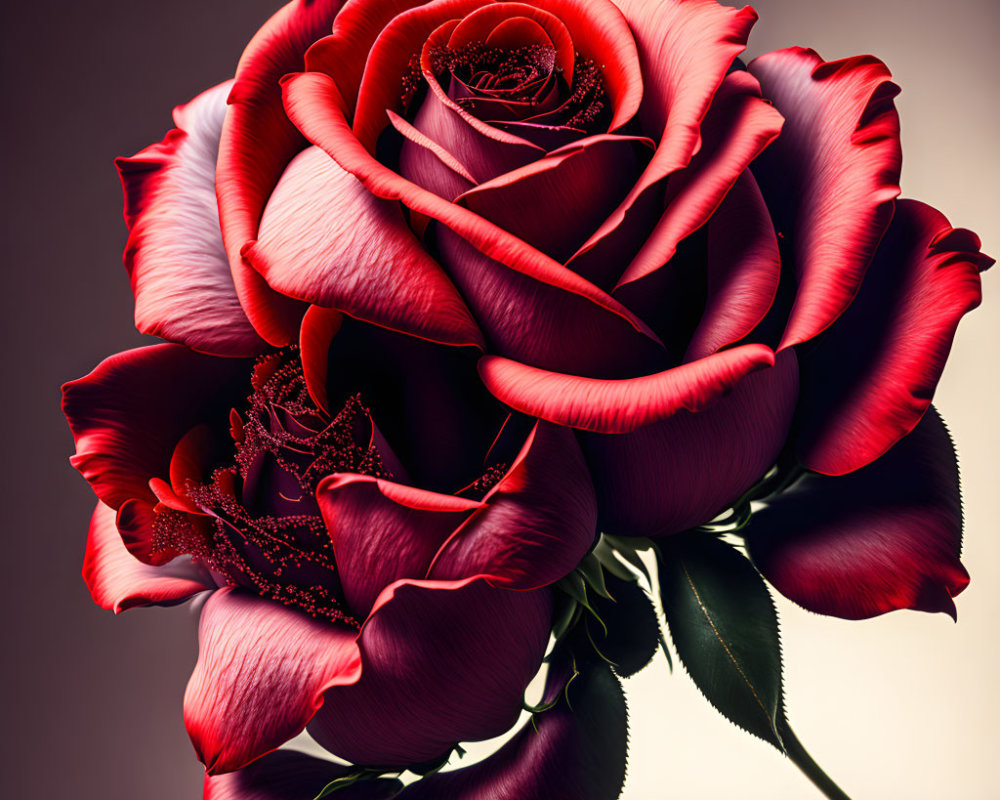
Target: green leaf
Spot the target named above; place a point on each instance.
(725, 630)
(633, 631)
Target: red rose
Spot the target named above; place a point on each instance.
(684, 268)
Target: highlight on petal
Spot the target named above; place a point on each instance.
(871, 377)
(174, 254)
(685, 470)
(620, 406)
(131, 411)
(256, 144)
(535, 525)
(261, 673)
(883, 538)
(443, 662)
(118, 581)
(325, 239)
(578, 750)
(290, 775)
(831, 177)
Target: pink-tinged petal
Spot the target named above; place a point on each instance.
(319, 326)
(131, 411)
(885, 537)
(174, 254)
(261, 673)
(684, 471)
(554, 203)
(620, 406)
(575, 751)
(325, 239)
(737, 128)
(428, 164)
(257, 143)
(443, 662)
(290, 775)
(871, 377)
(315, 104)
(831, 177)
(744, 267)
(536, 524)
(685, 48)
(383, 532)
(118, 581)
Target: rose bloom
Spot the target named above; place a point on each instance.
(450, 287)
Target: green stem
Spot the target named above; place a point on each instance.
(798, 755)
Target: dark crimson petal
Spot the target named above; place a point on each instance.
(261, 673)
(685, 470)
(620, 406)
(575, 751)
(131, 411)
(744, 267)
(831, 177)
(542, 325)
(174, 254)
(872, 376)
(428, 164)
(327, 240)
(685, 48)
(885, 537)
(118, 581)
(384, 531)
(555, 202)
(290, 775)
(319, 326)
(536, 524)
(257, 143)
(443, 662)
(314, 102)
(736, 129)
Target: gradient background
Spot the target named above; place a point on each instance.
(905, 706)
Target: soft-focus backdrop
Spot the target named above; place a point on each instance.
(905, 706)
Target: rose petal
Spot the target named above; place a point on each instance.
(384, 531)
(326, 240)
(428, 164)
(289, 775)
(882, 538)
(118, 581)
(682, 472)
(736, 129)
(576, 750)
(619, 406)
(535, 525)
(831, 177)
(443, 662)
(257, 143)
(685, 48)
(744, 267)
(314, 103)
(261, 673)
(174, 254)
(554, 203)
(131, 411)
(872, 376)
